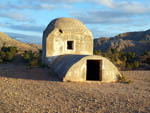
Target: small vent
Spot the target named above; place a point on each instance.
(60, 31)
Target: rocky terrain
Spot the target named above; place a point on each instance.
(5, 40)
(34, 90)
(130, 41)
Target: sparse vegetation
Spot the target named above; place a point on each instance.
(124, 80)
(33, 59)
(126, 60)
(97, 52)
(129, 81)
(7, 54)
(145, 57)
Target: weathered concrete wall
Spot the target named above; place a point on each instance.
(73, 68)
(57, 44)
(59, 31)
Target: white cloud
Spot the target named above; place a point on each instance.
(46, 6)
(124, 6)
(61, 1)
(31, 6)
(130, 7)
(108, 3)
(15, 16)
(24, 27)
(103, 17)
(133, 7)
(117, 13)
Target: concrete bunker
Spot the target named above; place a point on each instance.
(68, 50)
(75, 68)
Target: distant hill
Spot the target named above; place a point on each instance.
(5, 40)
(131, 41)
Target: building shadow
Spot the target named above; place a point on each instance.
(21, 71)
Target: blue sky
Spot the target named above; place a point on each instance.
(26, 19)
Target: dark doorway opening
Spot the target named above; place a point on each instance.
(94, 70)
(69, 44)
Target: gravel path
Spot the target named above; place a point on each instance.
(24, 90)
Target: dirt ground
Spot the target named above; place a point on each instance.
(25, 90)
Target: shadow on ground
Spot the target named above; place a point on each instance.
(21, 71)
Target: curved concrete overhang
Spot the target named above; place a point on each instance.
(61, 64)
(74, 68)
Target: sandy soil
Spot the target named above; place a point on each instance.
(24, 90)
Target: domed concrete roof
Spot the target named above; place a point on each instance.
(67, 24)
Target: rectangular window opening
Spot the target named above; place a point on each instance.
(70, 45)
(94, 70)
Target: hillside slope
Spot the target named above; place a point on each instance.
(130, 41)
(5, 40)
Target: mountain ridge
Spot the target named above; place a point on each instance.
(6, 40)
(137, 42)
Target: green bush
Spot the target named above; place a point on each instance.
(2, 54)
(130, 56)
(133, 65)
(113, 51)
(13, 50)
(124, 58)
(123, 77)
(115, 57)
(97, 52)
(129, 66)
(7, 54)
(27, 56)
(33, 59)
(122, 65)
(136, 64)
